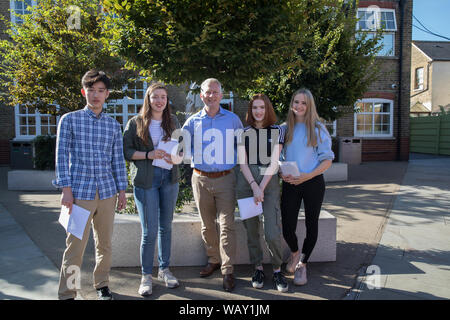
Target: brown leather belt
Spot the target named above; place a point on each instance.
(212, 174)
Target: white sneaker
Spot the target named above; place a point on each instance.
(300, 275)
(167, 276)
(293, 261)
(145, 289)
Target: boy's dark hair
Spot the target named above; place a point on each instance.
(93, 76)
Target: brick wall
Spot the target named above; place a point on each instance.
(382, 149)
(7, 130)
(420, 60)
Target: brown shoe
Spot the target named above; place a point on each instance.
(228, 282)
(209, 269)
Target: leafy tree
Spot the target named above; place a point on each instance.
(178, 41)
(335, 62)
(46, 56)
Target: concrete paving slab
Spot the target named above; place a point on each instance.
(414, 252)
(25, 272)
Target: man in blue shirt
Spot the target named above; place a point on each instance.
(213, 148)
(90, 170)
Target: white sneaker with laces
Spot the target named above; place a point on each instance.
(300, 275)
(293, 261)
(145, 289)
(167, 276)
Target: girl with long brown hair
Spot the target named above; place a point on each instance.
(259, 149)
(155, 188)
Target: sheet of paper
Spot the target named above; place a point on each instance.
(171, 148)
(248, 208)
(75, 223)
(289, 167)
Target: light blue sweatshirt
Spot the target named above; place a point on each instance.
(308, 158)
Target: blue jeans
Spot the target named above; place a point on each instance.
(155, 207)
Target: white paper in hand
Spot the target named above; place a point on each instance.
(248, 208)
(74, 223)
(171, 147)
(289, 168)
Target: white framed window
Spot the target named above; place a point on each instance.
(19, 7)
(418, 79)
(31, 123)
(331, 127)
(375, 118)
(124, 109)
(374, 18)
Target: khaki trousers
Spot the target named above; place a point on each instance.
(271, 219)
(102, 220)
(216, 200)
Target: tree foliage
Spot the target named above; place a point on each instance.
(334, 62)
(178, 41)
(44, 60)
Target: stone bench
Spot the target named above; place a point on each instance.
(31, 180)
(187, 244)
(41, 180)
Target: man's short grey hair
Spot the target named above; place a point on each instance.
(208, 81)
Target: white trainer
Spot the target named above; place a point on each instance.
(300, 275)
(145, 289)
(293, 261)
(167, 276)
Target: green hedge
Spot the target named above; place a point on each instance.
(44, 152)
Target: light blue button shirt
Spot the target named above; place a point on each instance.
(213, 140)
(308, 158)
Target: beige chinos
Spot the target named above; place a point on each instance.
(215, 199)
(102, 220)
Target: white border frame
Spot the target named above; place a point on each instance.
(391, 122)
(381, 9)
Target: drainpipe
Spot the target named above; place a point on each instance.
(399, 116)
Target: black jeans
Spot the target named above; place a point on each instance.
(312, 193)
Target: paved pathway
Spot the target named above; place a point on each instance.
(414, 252)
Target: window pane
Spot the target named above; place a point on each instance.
(32, 120)
(31, 110)
(44, 120)
(377, 119)
(23, 131)
(386, 107)
(44, 130)
(387, 41)
(119, 108)
(119, 119)
(367, 107)
(360, 119)
(377, 107)
(385, 119)
(32, 130)
(368, 119)
(23, 121)
(377, 129)
(385, 129)
(131, 108)
(368, 128)
(53, 130)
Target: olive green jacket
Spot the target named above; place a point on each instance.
(142, 170)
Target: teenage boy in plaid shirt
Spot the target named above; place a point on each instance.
(90, 169)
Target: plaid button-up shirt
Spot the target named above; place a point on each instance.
(89, 155)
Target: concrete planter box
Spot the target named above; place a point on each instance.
(187, 244)
(337, 172)
(31, 180)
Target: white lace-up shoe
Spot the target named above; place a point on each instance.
(293, 261)
(145, 289)
(300, 275)
(167, 276)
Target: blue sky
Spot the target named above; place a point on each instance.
(434, 14)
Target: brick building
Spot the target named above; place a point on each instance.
(382, 123)
(430, 74)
